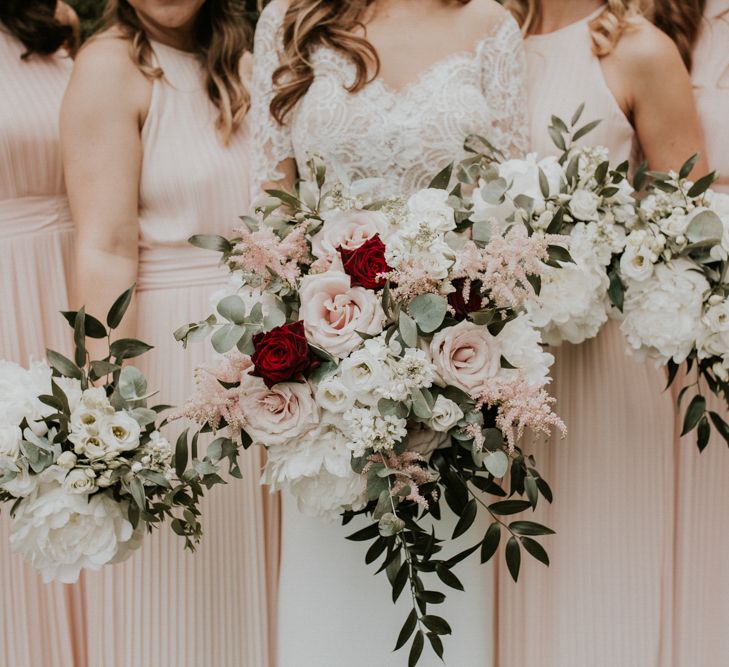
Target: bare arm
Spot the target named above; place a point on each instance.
(656, 88)
(101, 118)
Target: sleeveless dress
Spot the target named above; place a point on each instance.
(167, 607)
(40, 625)
(332, 610)
(605, 599)
(702, 586)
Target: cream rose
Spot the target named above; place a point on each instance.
(80, 480)
(333, 312)
(280, 414)
(349, 230)
(446, 414)
(465, 356)
(583, 205)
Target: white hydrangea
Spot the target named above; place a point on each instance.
(714, 341)
(521, 346)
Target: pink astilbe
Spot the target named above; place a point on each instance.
(411, 473)
(504, 265)
(520, 406)
(261, 253)
(411, 280)
(212, 403)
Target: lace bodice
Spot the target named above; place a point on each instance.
(404, 136)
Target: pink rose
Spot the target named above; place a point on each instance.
(333, 312)
(466, 356)
(278, 415)
(349, 230)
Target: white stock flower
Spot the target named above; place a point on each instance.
(366, 429)
(662, 315)
(61, 533)
(445, 415)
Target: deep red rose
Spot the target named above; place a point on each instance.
(366, 263)
(282, 354)
(457, 299)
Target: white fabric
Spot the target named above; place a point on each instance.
(332, 610)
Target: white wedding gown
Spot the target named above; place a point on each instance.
(333, 611)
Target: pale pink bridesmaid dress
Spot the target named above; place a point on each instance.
(702, 498)
(40, 625)
(166, 607)
(606, 598)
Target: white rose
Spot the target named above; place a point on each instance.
(521, 345)
(334, 312)
(348, 230)
(67, 460)
(280, 414)
(662, 315)
(584, 204)
(80, 480)
(445, 414)
(61, 533)
(104, 480)
(364, 372)
(10, 438)
(332, 395)
(431, 206)
(120, 432)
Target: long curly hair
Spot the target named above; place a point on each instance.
(681, 21)
(605, 29)
(308, 24)
(35, 24)
(222, 36)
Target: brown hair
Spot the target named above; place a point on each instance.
(35, 24)
(681, 21)
(605, 30)
(311, 23)
(221, 38)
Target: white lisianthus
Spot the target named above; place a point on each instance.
(584, 204)
(431, 207)
(636, 263)
(663, 314)
(333, 395)
(61, 533)
(80, 480)
(521, 346)
(120, 432)
(445, 414)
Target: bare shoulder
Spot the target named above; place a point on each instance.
(481, 18)
(645, 51)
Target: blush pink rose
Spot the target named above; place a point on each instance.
(278, 415)
(333, 312)
(466, 356)
(348, 230)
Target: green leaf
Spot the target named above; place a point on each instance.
(119, 308)
(436, 644)
(557, 138)
(447, 577)
(509, 506)
(703, 433)
(408, 329)
(411, 622)
(442, 179)
(92, 326)
(429, 311)
(535, 550)
(102, 368)
(436, 624)
(720, 426)
(233, 309)
(688, 166)
(467, 518)
(543, 183)
(421, 407)
(560, 254)
(227, 337)
(616, 291)
(497, 463)
(490, 542)
(369, 533)
(702, 185)
(586, 129)
(132, 384)
(694, 412)
(63, 365)
(79, 337)
(181, 454)
(706, 226)
(559, 124)
(529, 528)
(400, 580)
(128, 348)
(416, 650)
(137, 489)
(513, 558)
(211, 242)
(431, 597)
(577, 115)
(286, 198)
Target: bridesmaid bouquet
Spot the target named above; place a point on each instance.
(381, 353)
(82, 461)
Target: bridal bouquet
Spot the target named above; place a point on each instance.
(82, 461)
(382, 355)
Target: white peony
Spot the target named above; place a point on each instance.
(521, 346)
(19, 391)
(61, 533)
(662, 315)
(431, 206)
(445, 414)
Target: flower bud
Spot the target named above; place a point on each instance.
(390, 525)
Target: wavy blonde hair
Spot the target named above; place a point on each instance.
(331, 23)
(681, 21)
(221, 36)
(606, 29)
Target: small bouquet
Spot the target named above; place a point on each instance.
(382, 354)
(82, 460)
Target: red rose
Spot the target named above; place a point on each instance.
(282, 354)
(366, 263)
(457, 299)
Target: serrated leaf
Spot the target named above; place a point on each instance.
(535, 550)
(513, 558)
(490, 542)
(119, 308)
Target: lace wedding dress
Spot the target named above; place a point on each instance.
(332, 610)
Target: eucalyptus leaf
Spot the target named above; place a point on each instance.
(233, 309)
(132, 384)
(408, 329)
(705, 226)
(227, 337)
(429, 311)
(497, 463)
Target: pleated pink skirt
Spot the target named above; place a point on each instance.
(41, 625)
(167, 607)
(607, 598)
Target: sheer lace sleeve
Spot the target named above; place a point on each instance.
(271, 142)
(503, 67)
